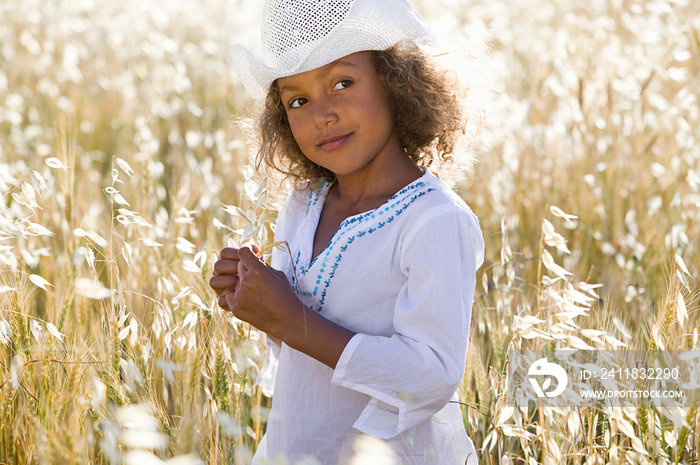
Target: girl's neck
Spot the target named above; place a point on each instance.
(376, 183)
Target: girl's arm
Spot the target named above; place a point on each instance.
(413, 373)
(264, 298)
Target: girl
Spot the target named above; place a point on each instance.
(368, 318)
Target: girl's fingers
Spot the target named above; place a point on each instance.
(227, 300)
(247, 260)
(228, 253)
(248, 257)
(225, 266)
(227, 270)
(230, 301)
(241, 268)
(222, 282)
(229, 257)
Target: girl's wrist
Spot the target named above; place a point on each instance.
(318, 337)
(287, 328)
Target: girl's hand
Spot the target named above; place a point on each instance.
(263, 297)
(225, 277)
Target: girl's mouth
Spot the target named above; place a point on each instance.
(333, 143)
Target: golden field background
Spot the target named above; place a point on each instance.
(122, 174)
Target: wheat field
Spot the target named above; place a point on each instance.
(123, 173)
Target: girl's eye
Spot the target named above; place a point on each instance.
(297, 102)
(344, 84)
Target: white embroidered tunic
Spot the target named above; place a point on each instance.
(402, 276)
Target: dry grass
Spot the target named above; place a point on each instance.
(119, 169)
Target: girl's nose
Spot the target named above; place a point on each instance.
(324, 112)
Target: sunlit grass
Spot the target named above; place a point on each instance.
(120, 164)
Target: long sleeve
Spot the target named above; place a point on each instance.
(413, 373)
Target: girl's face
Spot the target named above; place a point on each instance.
(340, 115)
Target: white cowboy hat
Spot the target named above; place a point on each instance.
(301, 35)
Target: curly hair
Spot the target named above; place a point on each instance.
(425, 104)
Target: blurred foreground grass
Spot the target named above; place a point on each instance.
(120, 169)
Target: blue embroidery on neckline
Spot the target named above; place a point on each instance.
(315, 195)
(398, 205)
